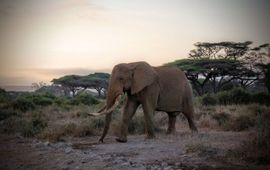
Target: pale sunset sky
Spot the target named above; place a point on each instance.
(45, 39)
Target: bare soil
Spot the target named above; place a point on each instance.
(206, 150)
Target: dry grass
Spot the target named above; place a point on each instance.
(230, 117)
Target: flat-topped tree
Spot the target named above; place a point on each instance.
(70, 82)
(97, 81)
(217, 64)
(74, 83)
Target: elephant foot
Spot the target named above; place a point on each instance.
(121, 140)
(100, 141)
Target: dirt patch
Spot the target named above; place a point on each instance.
(206, 150)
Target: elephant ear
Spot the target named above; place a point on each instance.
(143, 75)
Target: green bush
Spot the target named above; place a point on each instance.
(261, 98)
(84, 98)
(239, 96)
(4, 97)
(224, 97)
(235, 96)
(12, 124)
(28, 102)
(6, 113)
(42, 99)
(33, 126)
(208, 99)
(61, 101)
(23, 104)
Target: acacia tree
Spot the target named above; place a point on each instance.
(262, 63)
(218, 64)
(97, 81)
(69, 82)
(75, 83)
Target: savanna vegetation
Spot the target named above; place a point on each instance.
(230, 82)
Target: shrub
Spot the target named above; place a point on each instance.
(240, 123)
(3, 96)
(235, 96)
(6, 113)
(261, 140)
(256, 150)
(61, 101)
(27, 127)
(222, 118)
(23, 104)
(224, 97)
(261, 98)
(239, 96)
(33, 126)
(43, 99)
(208, 99)
(29, 101)
(12, 124)
(84, 98)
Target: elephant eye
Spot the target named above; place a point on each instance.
(121, 78)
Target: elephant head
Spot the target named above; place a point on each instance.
(125, 78)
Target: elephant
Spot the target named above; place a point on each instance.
(160, 88)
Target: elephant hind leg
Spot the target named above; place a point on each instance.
(189, 113)
(171, 122)
(190, 118)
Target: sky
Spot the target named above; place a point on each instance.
(45, 39)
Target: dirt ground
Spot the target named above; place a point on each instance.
(183, 150)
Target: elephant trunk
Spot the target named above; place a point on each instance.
(112, 101)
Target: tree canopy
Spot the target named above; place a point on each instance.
(97, 81)
(217, 64)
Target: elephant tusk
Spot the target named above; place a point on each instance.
(116, 103)
(94, 114)
(106, 111)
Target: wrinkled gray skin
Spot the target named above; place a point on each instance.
(155, 88)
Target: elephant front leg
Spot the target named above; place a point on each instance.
(149, 120)
(129, 111)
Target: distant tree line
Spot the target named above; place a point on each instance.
(210, 67)
(213, 66)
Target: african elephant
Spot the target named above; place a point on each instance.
(155, 88)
